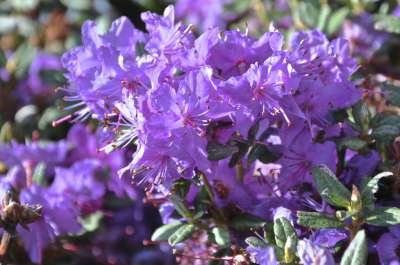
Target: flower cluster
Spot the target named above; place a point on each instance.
(251, 116)
(68, 179)
(253, 147)
(176, 96)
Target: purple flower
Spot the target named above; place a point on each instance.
(300, 154)
(263, 256)
(363, 38)
(100, 67)
(360, 167)
(234, 52)
(328, 238)
(387, 248)
(178, 86)
(166, 38)
(59, 217)
(79, 183)
(311, 254)
(202, 15)
(34, 86)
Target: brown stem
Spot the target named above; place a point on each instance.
(355, 227)
(5, 242)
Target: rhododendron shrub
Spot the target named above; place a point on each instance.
(214, 132)
(235, 135)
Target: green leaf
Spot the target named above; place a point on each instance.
(388, 23)
(251, 134)
(283, 230)
(91, 222)
(217, 151)
(49, 115)
(336, 20)
(384, 119)
(361, 116)
(386, 133)
(323, 16)
(238, 156)
(221, 236)
(26, 114)
(184, 232)
(22, 59)
(383, 216)
(262, 153)
(330, 188)
(255, 242)
(317, 220)
(24, 5)
(6, 133)
(3, 59)
(53, 77)
(180, 206)
(245, 222)
(139, 49)
(367, 193)
(77, 4)
(392, 94)
(164, 232)
(308, 14)
(38, 176)
(352, 143)
(181, 187)
(357, 252)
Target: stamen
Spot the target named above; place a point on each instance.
(62, 120)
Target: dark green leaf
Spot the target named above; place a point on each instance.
(357, 252)
(371, 188)
(262, 153)
(255, 242)
(217, 151)
(245, 222)
(361, 115)
(180, 206)
(49, 115)
(139, 49)
(352, 143)
(317, 220)
(22, 59)
(383, 216)
(202, 200)
(181, 187)
(283, 230)
(164, 232)
(251, 135)
(3, 59)
(53, 77)
(238, 156)
(330, 188)
(392, 94)
(221, 236)
(384, 119)
(386, 133)
(269, 233)
(184, 232)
